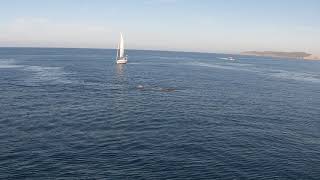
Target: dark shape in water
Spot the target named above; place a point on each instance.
(167, 89)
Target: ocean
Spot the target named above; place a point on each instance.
(75, 114)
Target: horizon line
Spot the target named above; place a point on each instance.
(182, 51)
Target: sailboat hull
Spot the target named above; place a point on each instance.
(122, 61)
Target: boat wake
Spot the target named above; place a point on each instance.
(228, 66)
(280, 74)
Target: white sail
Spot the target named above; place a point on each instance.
(121, 47)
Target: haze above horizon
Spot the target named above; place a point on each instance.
(183, 25)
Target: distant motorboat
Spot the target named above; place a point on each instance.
(231, 59)
(121, 57)
(228, 58)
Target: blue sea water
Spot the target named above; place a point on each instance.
(75, 114)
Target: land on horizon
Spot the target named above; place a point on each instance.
(280, 54)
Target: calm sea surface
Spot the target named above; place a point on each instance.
(75, 114)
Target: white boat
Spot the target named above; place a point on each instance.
(228, 58)
(121, 58)
(231, 59)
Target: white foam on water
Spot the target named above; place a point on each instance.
(43, 73)
(298, 76)
(8, 63)
(39, 73)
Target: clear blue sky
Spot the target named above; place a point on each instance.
(188, 25)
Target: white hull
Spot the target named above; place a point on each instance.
(122, 61)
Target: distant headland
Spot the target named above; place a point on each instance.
(295, 55)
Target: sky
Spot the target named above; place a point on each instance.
(220, 26)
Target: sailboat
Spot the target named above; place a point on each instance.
(121, 58)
